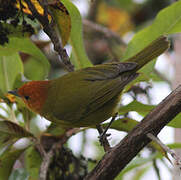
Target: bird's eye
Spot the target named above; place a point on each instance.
(27, 97)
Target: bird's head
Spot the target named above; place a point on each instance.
(33, 94)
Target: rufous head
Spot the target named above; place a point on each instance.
(33, 94)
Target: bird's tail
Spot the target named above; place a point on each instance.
(153, 50)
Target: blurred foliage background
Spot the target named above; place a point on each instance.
(112, 30)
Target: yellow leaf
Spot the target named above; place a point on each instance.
(106, 15)
(60, 15)
(62, 19)
(26, 9)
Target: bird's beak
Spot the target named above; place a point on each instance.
(15, 92)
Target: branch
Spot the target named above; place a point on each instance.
(89, 25)
(118, 157)
(45, 164)
(111, 37)
(47, 157)
(51, 32)
(93, 10)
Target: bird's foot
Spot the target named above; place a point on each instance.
(103, 136)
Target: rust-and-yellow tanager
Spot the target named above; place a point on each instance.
(88, 96)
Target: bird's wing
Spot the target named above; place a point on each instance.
(107, 71)
(109, 90)
(109, 83)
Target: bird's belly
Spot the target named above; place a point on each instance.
(94, 118)
(100, 115)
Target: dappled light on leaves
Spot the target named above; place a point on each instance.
(107, 15)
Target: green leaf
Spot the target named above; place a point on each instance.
(81, 59)
(123, 124)
(10, 67)
(63, 20)
(11, 132)
(17, 31)
(139, 161)
(136, 163)
(33, 69)
(27, 46)
(55, 130)
(19, 174)
(174, 145)
(148, 73)
(176, 122)
(168, 21)
(7, 160)
(33, 162)
(142, 109)
(124, 4)
(140, 173)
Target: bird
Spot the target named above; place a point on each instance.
(88, 96)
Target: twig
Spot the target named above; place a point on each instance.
(166, 149)
(47, 157)
(51, 32)
(99, 28)
(41, 149)
(120, 155)
(110, 36)
(93, 9)
(45, 164)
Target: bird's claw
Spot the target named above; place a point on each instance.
(103, 136)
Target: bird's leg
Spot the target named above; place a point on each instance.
(103, 140)
(103, 136)
(108, 126)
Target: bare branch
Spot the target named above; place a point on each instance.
(118, 157)
(93, 9)
(110, 36)
(45, 164)
(47, 157)
(89, 25)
